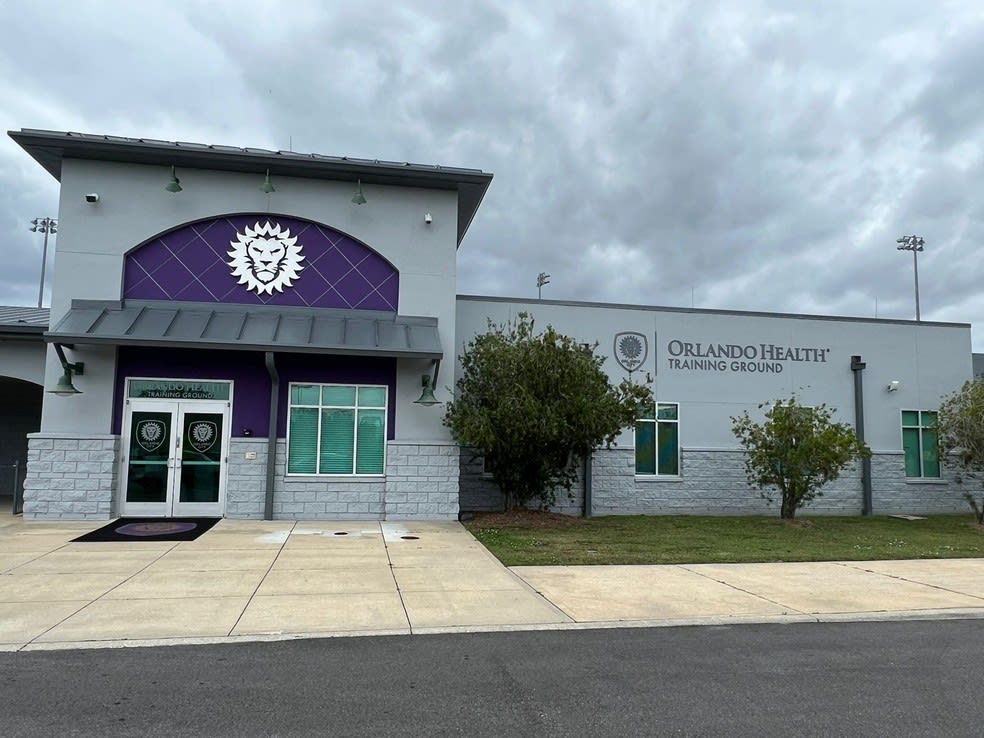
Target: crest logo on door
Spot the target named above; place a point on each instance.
(630, 349)
(202, 435)
(151, 435)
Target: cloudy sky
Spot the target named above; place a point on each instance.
(748, 154)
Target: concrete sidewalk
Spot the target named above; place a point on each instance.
(259, 580)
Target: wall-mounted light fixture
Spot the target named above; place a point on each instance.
(427, 384)
(267, 184)
(92, 198)
(358, 198)
(64, 387)
(175, 184)
(893, 386)
(428, 219)
(427, 394)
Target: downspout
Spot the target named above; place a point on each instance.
(857, 366)
(586, 497)
(271, 471)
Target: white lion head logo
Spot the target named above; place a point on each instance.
(265, 259)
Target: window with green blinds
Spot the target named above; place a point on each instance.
(337, 446)
(919, 443)
(371, 444)
(302, 457)
(336, 429)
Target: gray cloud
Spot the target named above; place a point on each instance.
(761, 157)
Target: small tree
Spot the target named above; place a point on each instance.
(960, 426)
(796, 450)
(535, 405)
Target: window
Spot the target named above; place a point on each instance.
(657, 441)
(336, 429)
(488, 467)
(919, 443)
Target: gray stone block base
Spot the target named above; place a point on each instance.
(713, 483)
(421, 482)
(71, 476)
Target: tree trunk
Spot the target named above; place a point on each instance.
(788, 509)
(508, 499)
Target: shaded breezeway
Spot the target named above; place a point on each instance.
(20, 414)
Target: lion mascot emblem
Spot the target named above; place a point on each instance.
(265, 258)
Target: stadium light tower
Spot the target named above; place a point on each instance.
(915, 245)
(45, 226)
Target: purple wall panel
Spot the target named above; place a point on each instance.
(192, 263)
(251, 391)
(337, 370)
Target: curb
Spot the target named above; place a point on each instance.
(711, 621)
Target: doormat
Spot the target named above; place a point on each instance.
(149, 529)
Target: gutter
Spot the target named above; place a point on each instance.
(586, 508)
(271, 470)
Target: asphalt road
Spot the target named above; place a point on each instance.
(864, 679)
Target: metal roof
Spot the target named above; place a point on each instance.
(50, 148)
(247, 328)
(23, 320)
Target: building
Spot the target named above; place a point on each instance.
(247, 338)
(247, 333)
(710, 365)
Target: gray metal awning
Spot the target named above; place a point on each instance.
(247, 328)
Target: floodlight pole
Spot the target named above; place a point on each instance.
(915, 245)
(45, 226)
(541, 279)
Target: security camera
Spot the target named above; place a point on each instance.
(92, 197)
(428, 219)
(893, 386)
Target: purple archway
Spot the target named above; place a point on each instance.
(193, 263)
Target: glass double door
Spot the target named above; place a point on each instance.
(175, 459)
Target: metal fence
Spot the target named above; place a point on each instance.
(11, 478)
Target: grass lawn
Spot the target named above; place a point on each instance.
(538, 539)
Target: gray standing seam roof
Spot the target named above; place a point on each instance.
(15, 321)
(248, 328)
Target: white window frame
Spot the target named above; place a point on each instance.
(656, 421)
(922, 460)
(355, 434)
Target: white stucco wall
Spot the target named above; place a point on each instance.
(928, 360)
(23, 359)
